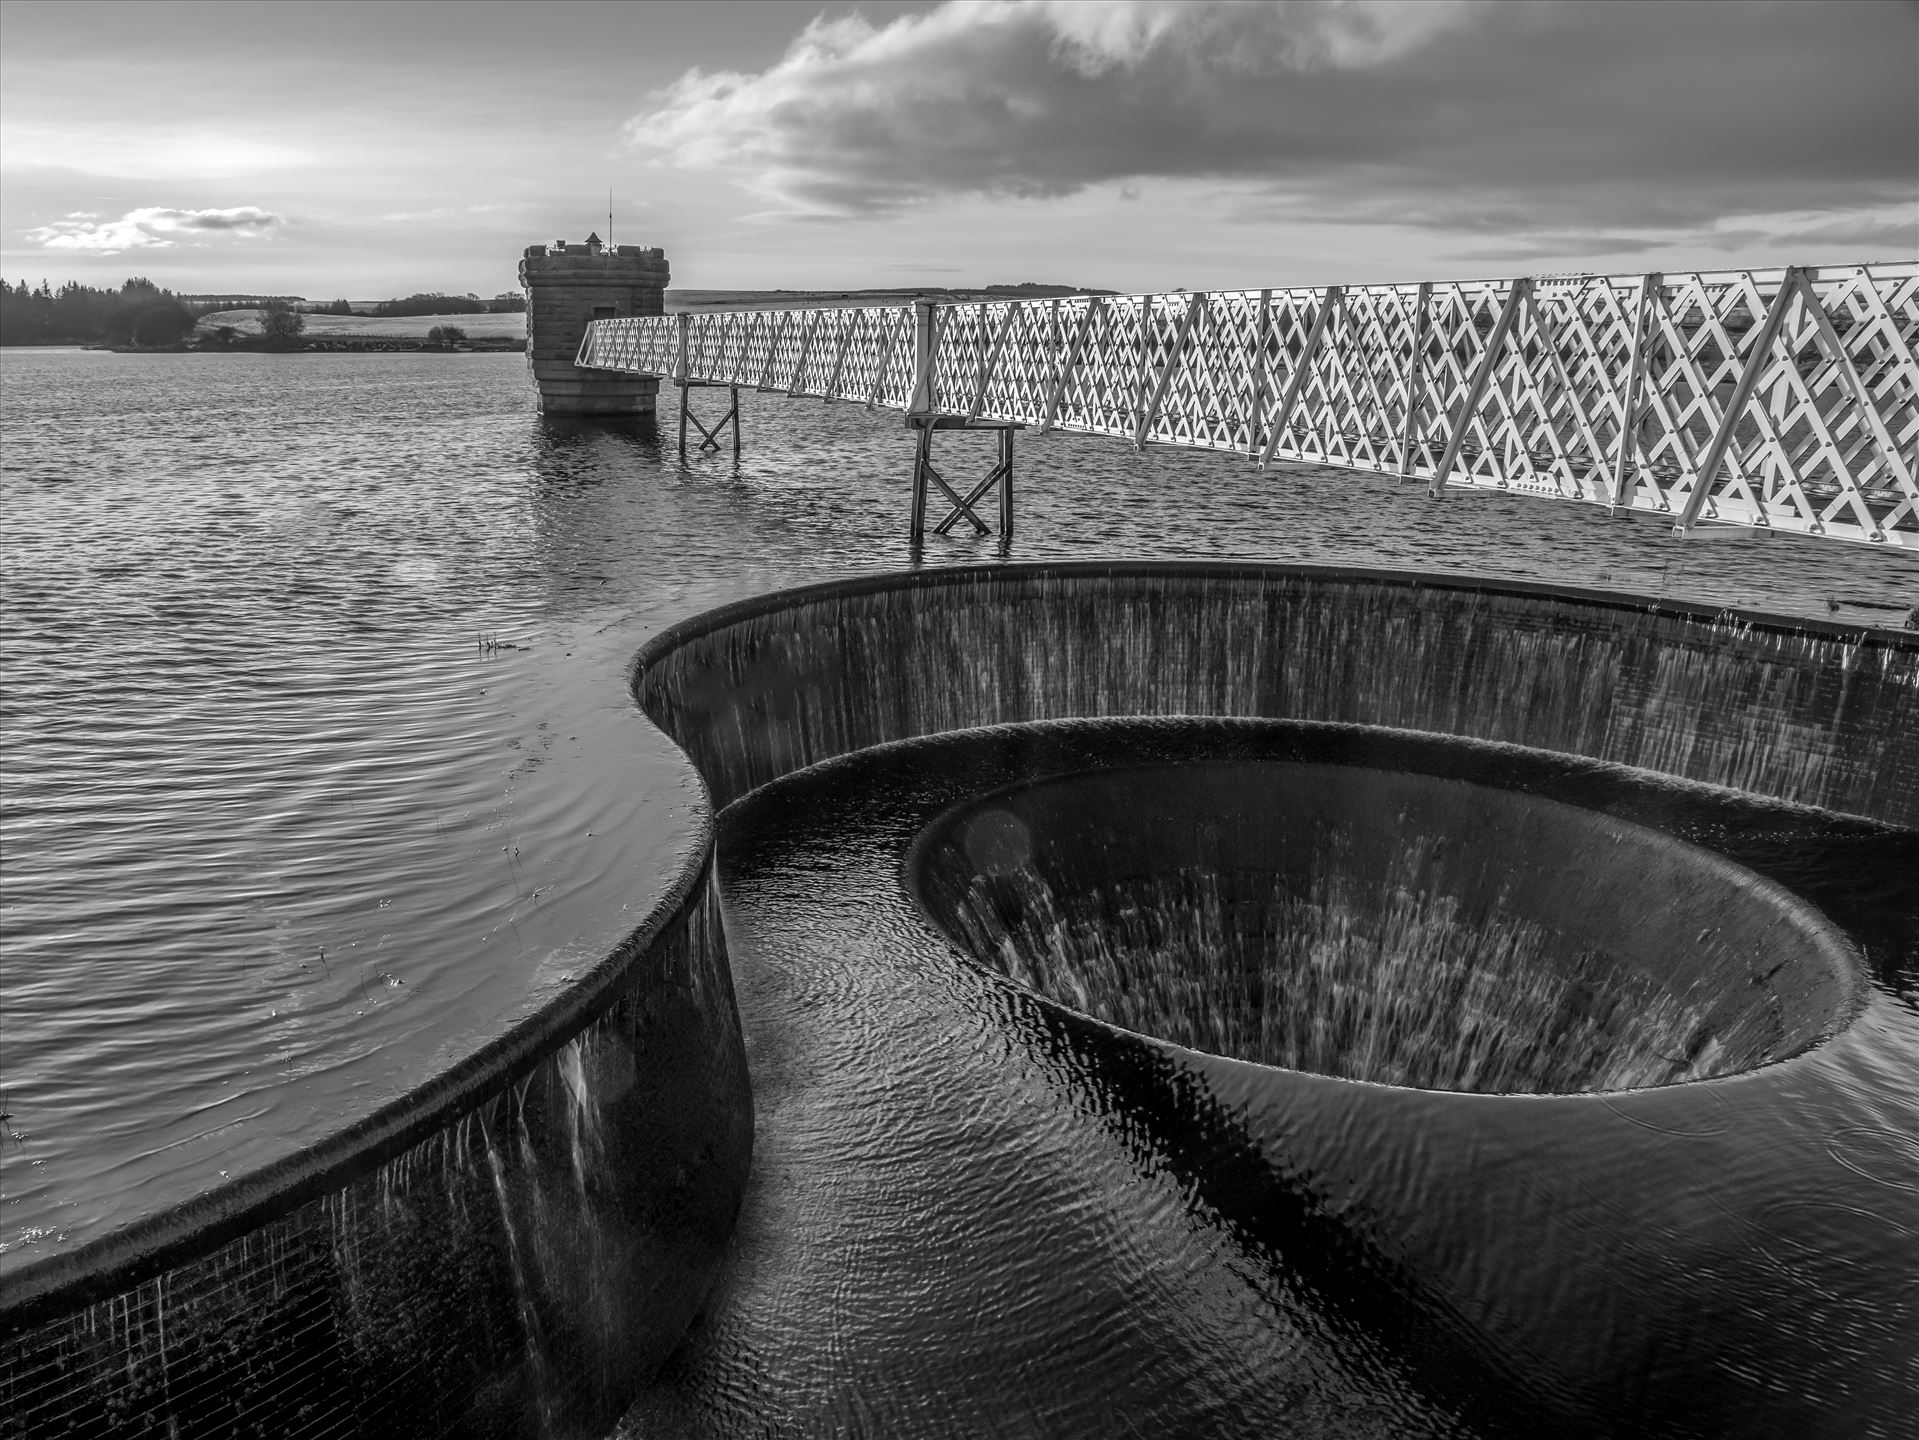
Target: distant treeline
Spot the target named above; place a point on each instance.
(138, 313)
(436, 303)
(507, 302)
(142, 313)
(207, 304)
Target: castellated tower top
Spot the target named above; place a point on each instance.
(593, 247)
(570, 284)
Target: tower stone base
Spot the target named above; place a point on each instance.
(570, 285)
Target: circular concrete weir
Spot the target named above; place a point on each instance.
(1385, 925)
(1688, 1260)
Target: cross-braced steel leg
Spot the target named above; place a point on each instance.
(924, 471)
(709, 437)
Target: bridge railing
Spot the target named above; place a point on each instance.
(1782, 399)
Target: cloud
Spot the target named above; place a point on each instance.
(1453, 115)
(152, 227)
(156, 154)
(1820, 235)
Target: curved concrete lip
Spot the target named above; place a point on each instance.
(1437, 934)
(69, 1279)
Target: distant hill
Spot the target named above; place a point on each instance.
(1028, 290)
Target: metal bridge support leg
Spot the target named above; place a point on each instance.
(927, 478)
(922, 462)
(710, 434)
(1005, 491)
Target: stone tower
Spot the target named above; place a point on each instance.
(569, 285)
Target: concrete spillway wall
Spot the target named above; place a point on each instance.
(1793, 710)
(512, 1249)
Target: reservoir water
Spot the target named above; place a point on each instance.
(319, 759)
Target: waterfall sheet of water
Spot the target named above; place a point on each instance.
(1386, 926)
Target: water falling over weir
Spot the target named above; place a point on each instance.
(510, 1250)
(1382, 925)
(1816, 715)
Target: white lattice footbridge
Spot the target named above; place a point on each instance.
(1774, 400)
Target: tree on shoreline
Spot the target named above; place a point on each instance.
(159, 321)
(281, 325)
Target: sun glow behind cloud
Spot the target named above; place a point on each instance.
(116, 152)
(154, 227)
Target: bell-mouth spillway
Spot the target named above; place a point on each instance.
(1385, 925)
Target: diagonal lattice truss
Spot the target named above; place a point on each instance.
(1783, 399)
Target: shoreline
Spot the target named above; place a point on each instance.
(328, 344)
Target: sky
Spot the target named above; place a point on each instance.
(344, 149)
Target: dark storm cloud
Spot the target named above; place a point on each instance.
(245, 217)
(1449, 114)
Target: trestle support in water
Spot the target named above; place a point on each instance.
(924, 416)
(682, 377)
(1000, 476)
(709, 436)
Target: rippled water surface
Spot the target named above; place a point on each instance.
(319, 760)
